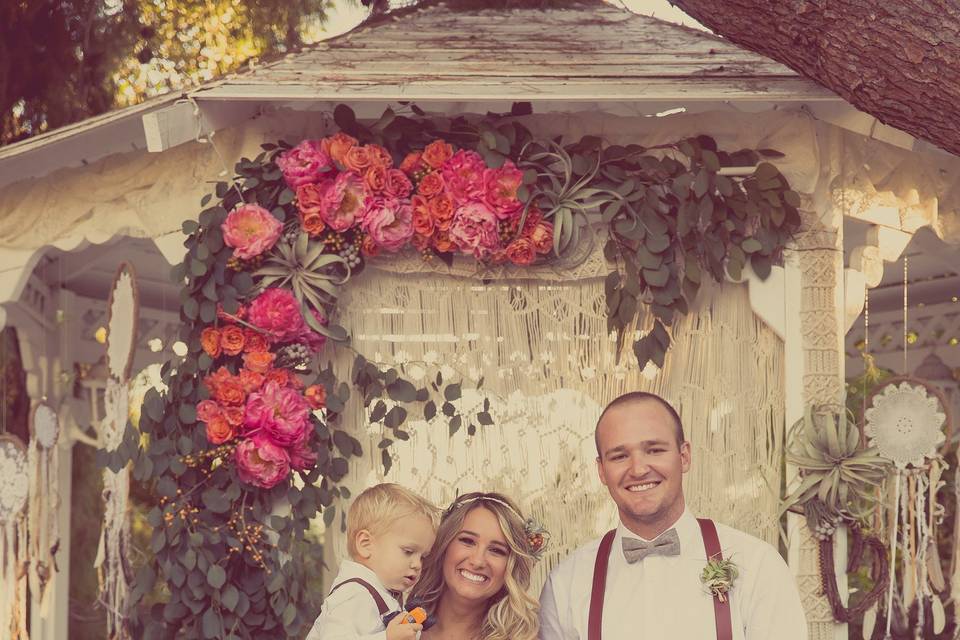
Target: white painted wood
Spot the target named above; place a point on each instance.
(767, 298)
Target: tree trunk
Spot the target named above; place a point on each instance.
(898, 60)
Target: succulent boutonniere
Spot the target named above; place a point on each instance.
(718, 577)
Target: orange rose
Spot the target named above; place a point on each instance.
(284, 378)
(431, 184)
(316, 395)
(521, 252)
(337, 146)
(215, 379)
(313, 224)
(258, 361)
(231, 340)
(234, 415)
(210, 341)
(411, 163)
(369, 248)
(251, 380)
(309, 203)
(542, 237)
(219, 430)
(441, 209)
(441, 241)
(436, 153)
(230, 391)
(379, 157)
(357, 159)
(254, 341)
(375, 177)
(422, 222)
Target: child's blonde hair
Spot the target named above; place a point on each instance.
(376, 509)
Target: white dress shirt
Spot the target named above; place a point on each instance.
(350, 612)
(662, 598)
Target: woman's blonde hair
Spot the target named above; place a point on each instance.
(512, 613)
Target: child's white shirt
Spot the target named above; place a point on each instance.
(350, 612)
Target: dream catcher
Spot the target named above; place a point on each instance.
(14, 489)
(112, 561)
(43, 513)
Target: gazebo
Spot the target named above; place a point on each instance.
(749, 358)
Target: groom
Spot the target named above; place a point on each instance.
(642, 581)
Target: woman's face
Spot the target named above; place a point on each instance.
(475, 563)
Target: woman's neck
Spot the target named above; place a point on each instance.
(458, 618)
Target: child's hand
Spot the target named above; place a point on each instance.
(396, 630)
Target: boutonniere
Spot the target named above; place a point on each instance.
(718, 577)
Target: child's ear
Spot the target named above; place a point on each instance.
(364, 544)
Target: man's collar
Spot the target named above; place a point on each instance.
(686, 525)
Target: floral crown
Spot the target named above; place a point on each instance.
(537, 537)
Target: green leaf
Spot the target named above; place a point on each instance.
(429, 410)
(402, 391)
(452, 392)
(455, 423)
(216, 576)
(230, 597)
(344, 117)
(211, 624)
(386, 461)
(751, 245)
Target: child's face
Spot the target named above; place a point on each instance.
(396, 555)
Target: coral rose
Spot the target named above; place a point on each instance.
(463, 176)
(474, 230)
(305, 163)
(250, 380)
(357, 159)
(337, 146)
(225, 387)
(250, 230)
(369, 248)
(374, 178)
(441, 210)
(210, 341)
(232, 340)
(412, 163)
(521, 252)
(501, 187)
(344, 201)
(379, 157)
(397, 185)
(259, 361)
(389, 222)
(234, 416)
(422, 222)
(254, 341)
(316, 395)
(261, 463)
(430, 185)
(281, 413)
(277, 313)
(442, 241)
(302, 457)
(283, 378)
(309, 204)
(219, 430)
(207, 410)
(436, 153)
(542, 237)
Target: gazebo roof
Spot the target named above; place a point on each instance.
(582, 53)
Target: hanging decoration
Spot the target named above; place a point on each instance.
(43, 467)
(113, 553)
(14, 559)
(251, 407)
(905, 422)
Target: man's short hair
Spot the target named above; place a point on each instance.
(378, 508)
(632, 397)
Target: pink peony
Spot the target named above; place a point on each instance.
(389, 222)
(501, 189)
(280, 413)
(463, 176)
(302, 457)
(276, 312)
(250, 230)
(303, 164)
(344, 201)
(474, 230)
(261, 463)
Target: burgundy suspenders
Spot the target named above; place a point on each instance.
(711, 544)
(381, 604)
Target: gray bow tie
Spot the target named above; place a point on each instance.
(668, 544)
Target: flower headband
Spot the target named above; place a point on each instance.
(537, 536)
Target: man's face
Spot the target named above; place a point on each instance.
(642, 466)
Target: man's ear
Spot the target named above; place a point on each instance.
(603, 477)
(685, 456)
(364, 544)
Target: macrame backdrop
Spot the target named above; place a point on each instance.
(540, 342)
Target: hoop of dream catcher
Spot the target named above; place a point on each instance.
(908, 420)
(14, 493)
(43, 512)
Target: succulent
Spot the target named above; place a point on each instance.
(838, 475)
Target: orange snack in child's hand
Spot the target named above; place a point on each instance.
(417, 616)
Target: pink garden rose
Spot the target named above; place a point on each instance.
(276, 312)
(474, 230)
(207, 410)
(501, 189)
(389, 222)
(302, 457)
(303, 164)
(279, 413)
(397, 184)
(463, 176)
(261, 463)
(250, 230)
(344, 201)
